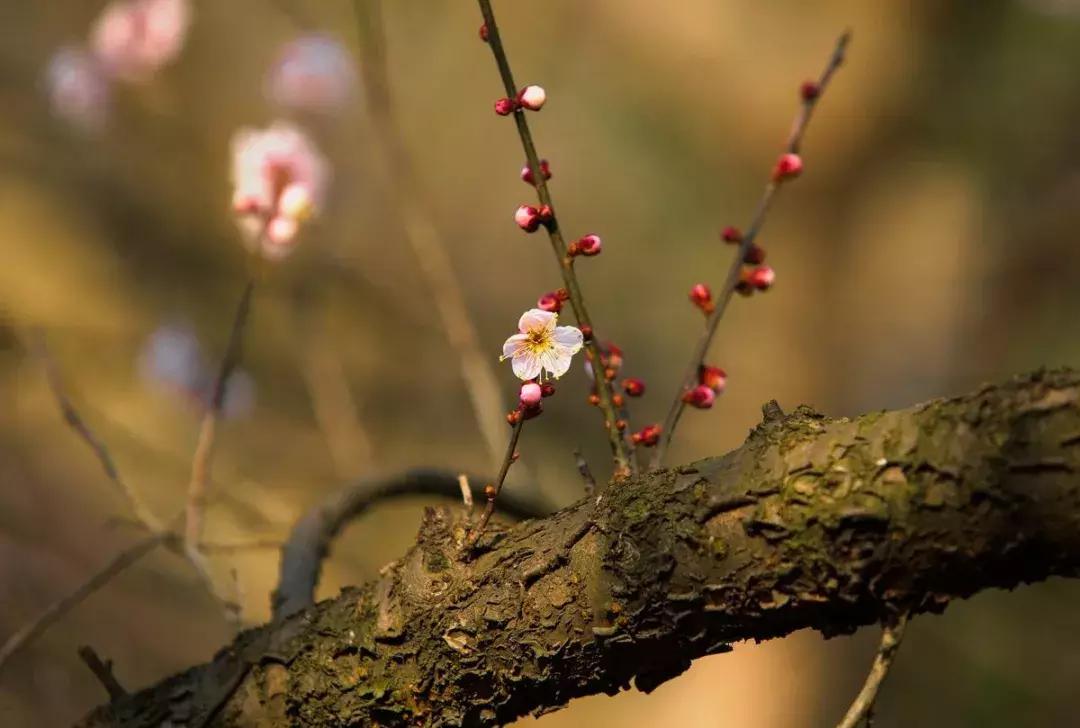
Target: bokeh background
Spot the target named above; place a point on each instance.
(931, 245)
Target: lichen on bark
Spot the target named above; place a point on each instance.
(812, 522)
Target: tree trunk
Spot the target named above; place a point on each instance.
(812, 522)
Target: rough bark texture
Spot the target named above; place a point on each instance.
(813, 522)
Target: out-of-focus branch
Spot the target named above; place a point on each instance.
(75, 421)
(102, 670)
(624, 463)
(204, 448)
(309, 542)
(862, 707)
(701, 349)
(423, 236)
(51, 614)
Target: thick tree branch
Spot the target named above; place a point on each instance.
(813, 522)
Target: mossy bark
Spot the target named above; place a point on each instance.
(813, 522)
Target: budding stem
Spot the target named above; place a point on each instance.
(492, 492)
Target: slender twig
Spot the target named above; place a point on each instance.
(701, 350)
(65, 604)
(75, 421)
(204, 449)
(891, 636)
(234, 547)
(466, 496)
(428, 245)
(103, 671)
(586, 474)
(491, 492)
(624, 464)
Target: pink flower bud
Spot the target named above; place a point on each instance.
(633, 387)
(549, 302)
(484, 32)
(532, 97)
(505, 107)
(787, 167)
(527, 218)
(545, 172)
(546, 214)
(530, 394)
(755, 255)
(762, 277)
(731, 234)
(701, 296)
(589, 245)
(712, 377)
(809, 90)
(700, 396)
(647, 436)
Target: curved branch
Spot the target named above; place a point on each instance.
(812, 522)
(309, 542)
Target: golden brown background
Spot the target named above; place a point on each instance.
(930, 245)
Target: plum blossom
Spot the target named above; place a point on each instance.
(134, 38)
(541, 346)
(78, 89)
(312, 73)
(280, 180)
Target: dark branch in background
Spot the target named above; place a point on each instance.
(624, 464)
(812, 522)
(309, 542)
(423, 235)
(102, 670)
(701, 349)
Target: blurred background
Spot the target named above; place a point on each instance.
(930, 246)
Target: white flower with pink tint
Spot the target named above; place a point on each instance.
(134, 38)
(541, 346)
(312, 73)
(78, 90)
(279, 180)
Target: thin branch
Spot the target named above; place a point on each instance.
(428, 245)
(28, 632)
(624, 464)
(701, 350)
(466, 496)
(102, 670)
(204, 449)
(235, 547)
(309, 542)
(491, 491)
(586, 474)
(862, 707)
(75, 421)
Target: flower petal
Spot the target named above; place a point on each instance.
(511, 345)
(557, 360)
(526, 365)
(536, 319)
(569, 337)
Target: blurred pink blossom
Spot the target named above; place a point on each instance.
(78, 90)
(312, 73)
(134, 38)
(280, 180)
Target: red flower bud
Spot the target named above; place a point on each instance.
(620, 425)
(700, 396)
(611, 356)
(588, 245)
(762, 278)
(617, 400)
(527, 218)
(633, 387)
(594, 399)
(586, 332)
(562, 294)
(787, 167)
(532, 410)
(755, 255)
(701, 296)
(712, 377)
(546, 214)
(505, 106)
(512, 418)
(484, 32)
(545, 172)
(731, 234)
(546, 390)
(809, 90)
(549, 302)
(647, 436)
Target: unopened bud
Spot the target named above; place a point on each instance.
(731, 234)
(586, 332)
(530, 394)
(633, 387)
(527, 175)
(527, 218)
(532, 97)
(484, 32)
(546, 390)
(513, 417)
(809, 90)
(647, 436)
(594, 399)
(505, 106)
(762, 277)
(701, 296)
(617, 400)
(712, 377)
(755, 255)
(562, 294)
(549, 302)
(787, 167)
(700, 396)
(490, 492)
(620, 425)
